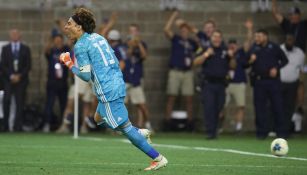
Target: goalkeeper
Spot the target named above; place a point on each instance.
(98, 64)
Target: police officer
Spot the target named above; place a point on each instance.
(266, 59)
(216, 61)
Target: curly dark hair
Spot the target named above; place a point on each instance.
(85, 18)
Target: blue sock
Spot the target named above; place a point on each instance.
(139, 141)
(137, 129)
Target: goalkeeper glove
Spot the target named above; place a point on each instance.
(65, 59)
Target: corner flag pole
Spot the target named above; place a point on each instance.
(76, 104)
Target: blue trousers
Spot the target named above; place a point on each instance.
(213, 97)
(268, 96)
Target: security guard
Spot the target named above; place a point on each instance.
(266, 59)
(216, 61)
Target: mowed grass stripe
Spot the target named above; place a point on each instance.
(207, 149)
(20, 164)
(39, 154)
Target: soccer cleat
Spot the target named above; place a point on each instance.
(146, 133)
(157, 163)
(90, 122)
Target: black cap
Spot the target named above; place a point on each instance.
(294, 10)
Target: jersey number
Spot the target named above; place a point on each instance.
(105, 52)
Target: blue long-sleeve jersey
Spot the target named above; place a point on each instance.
(98, 63)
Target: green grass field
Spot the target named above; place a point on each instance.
(30, 154)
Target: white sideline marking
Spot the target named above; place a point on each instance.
(206, 149)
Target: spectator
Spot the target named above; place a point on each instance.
(133, 74)
(266, 59)
(57, 79)
(120, 49)
(237, 85)
(58, 28)
(15, 66)
(290, 75)
(134, 93)
(107, 24)
(180, 76)
(293, 24)
(206, 33)
(216, 61)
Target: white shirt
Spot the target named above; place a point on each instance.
(291, 72)
(15, 46)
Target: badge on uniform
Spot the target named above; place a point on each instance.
(131, 70)
(187, 61)
(58, 70)
(270, 46)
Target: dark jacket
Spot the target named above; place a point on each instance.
(7, 63)
(267, 57)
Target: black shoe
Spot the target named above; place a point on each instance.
(167, 125)
(190, 125)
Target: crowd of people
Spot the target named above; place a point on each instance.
(274, 71)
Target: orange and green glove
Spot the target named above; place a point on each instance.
(65, 59)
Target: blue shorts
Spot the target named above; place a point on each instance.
(113, 113)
